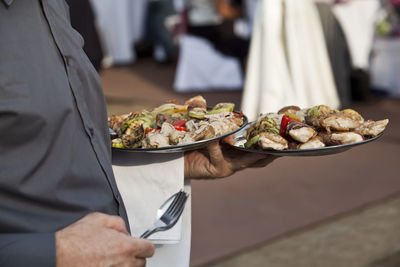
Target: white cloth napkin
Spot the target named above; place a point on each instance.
(145, 181)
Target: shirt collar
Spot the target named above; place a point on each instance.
(8, 2)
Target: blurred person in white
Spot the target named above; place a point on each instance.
(288, 60)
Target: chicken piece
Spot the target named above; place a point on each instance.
(167, 129)
(315, 114)
(191, 125)
(272, 141)
(177, 137)
(356, 115)
(300, 132)
(341, 138)
(315, 142)
(205, 131)
(186, 139)
(174, 135)
(372, 128)
(340, 122)
(155, 140)
(224, 122)
(133, 135)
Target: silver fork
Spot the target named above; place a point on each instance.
(169, 213)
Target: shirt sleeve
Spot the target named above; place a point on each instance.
(28, 249)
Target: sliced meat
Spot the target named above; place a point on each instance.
(300, 132)
(176, 137)
(341, 138)
(155, 140)
(272, 141)
(167, 129)
(340, 122)
(315, 142)
(205, 131)
(372, 128)
(224, 122)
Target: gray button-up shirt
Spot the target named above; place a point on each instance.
(55, 158)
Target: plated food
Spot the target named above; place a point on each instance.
(319, 127)
(175, 125)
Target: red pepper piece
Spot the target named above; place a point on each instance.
(148, 130)
(284, 123)
(181, 123)
(238, 115)
(180, 128)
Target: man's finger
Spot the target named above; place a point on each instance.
(229, 140)
(144, 249)
(215, 154)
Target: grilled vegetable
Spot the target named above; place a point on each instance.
(264, 124)
(198, 113)
(222, 107)
(117, 142)
(252, 142)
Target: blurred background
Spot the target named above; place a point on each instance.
(338, 210)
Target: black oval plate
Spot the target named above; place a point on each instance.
(184, 147)
(240, 139)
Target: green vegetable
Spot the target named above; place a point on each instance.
(145, 121)
(136, 145)
(197, 113)
(117, 143)
(222, 107)
(253, 141)
(319, 110)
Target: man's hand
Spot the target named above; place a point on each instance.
(100, 240)
(219, 160)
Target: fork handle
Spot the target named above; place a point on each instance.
(149, 232)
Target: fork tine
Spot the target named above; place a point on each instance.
(179, 211)
(179, 205)
(171, 216)
(173, 202)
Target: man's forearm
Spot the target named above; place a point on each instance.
(27, 249)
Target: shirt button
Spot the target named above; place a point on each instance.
(91, 131)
